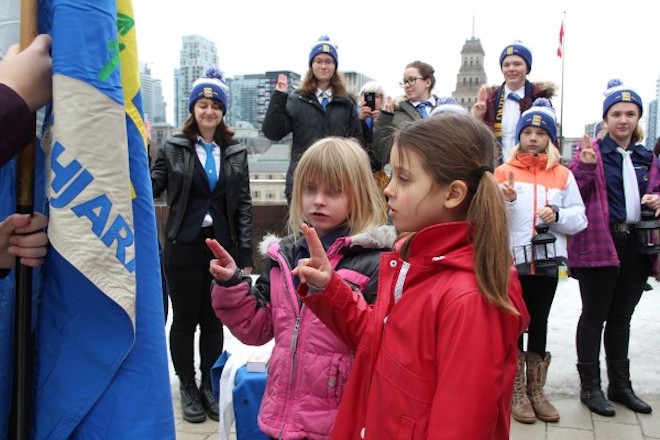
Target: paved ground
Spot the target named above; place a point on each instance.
(577, 422)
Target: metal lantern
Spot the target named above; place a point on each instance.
(648, 233)
(543, 247)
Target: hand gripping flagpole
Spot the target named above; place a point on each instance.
(21, 408)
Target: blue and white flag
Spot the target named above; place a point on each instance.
(101, 358)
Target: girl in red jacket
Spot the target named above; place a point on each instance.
(436, 355)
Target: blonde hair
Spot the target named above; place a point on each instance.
(554, 157)
(638, 134)
(455, 146)
(342, 164)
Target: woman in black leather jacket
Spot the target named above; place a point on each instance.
(205, 173)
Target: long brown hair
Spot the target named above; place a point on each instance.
(460, 147)
(221, 136)
(337, 82)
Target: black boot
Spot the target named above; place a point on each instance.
(191, 405)
(208, 400)
(620, 389)
(591, 393)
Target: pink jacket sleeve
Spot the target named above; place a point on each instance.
(238, 310)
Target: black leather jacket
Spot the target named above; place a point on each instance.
(173, 171)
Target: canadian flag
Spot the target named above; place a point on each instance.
(560, 48)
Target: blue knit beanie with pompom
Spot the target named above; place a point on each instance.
(616, 92)
(541, 115)
(211, 86)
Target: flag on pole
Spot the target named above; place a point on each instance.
(560, 48)
(101, 359)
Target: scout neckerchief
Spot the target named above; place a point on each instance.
(499, 98)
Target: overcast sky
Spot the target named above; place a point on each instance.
(610, 39)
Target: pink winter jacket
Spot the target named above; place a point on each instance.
(309, 366)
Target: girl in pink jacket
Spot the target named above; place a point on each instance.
(334, 192)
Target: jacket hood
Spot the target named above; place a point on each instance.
(268, 240)
(398, 100)
(529, 161)
(548, 89)
(378, 237)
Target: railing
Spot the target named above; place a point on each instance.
(266, 218)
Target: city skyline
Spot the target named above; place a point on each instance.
(600, 43)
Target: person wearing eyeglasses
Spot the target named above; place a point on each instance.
(501, 106)
(417, 103)
(321, 106)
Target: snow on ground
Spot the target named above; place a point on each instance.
(563, 379)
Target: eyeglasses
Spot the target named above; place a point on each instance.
(326, 62)
(410, 80)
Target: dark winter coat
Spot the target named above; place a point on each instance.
(301, 114)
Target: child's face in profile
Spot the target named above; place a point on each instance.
(414, 200)
(325, 207)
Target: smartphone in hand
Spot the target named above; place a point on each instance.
(370, 99)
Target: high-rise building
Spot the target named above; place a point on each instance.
(266, 89)
(653, 127)
(471, 76)
(355, 81)
(197, 54)
(249, 96)
(153, 103)
(243, 99)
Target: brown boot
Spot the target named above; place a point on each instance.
(521, 408)
(537, 372)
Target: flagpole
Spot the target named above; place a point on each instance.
(563, 57)
(21, 410)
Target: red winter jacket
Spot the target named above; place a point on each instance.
(438, 364)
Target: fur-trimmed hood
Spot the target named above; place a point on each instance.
(378, 237)
(549, 88)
